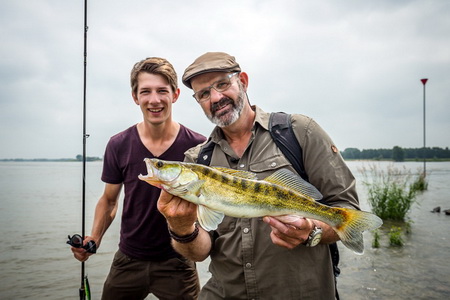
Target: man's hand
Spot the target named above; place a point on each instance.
(289, 234)
(180, 214)
(80, 253)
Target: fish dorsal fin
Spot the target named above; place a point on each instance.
(289, 179)
(237, 173)
(209, 219)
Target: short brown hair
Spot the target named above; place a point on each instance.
(154, 65)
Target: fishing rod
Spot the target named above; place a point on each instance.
(77, 240)
(84, 286)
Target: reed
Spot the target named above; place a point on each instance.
(420, 184)
(376, 239)
(391, 192)
(395, 237)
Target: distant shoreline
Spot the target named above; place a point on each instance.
(88, 159)
(396, 154)
(49, 159)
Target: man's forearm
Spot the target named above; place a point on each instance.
(105, 213)
(196, 250)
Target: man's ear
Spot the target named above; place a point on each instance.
(135, 98)
(176, 94)
(243, 78)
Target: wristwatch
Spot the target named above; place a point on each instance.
(314, 237)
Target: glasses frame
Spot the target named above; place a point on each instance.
(229, 76)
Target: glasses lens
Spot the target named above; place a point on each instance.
(202, 96)
(220, 86)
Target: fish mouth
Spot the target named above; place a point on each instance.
(150, 177)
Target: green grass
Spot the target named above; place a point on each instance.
(392, 192)
(376, 239)
(420, 184)
(395, 237)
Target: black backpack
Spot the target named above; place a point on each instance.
(280, 129)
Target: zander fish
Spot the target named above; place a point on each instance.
(221, 191)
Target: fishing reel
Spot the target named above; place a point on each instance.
(77, 241)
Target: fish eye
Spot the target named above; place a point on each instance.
(159, 164)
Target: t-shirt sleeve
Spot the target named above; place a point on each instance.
(111, 169)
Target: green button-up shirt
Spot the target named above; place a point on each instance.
(245, 264)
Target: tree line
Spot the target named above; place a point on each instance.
(79, 157)
(398, 153)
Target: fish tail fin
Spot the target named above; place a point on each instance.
(354, 224)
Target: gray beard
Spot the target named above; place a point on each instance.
(228, 117)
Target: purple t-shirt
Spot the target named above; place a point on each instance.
(143, 232)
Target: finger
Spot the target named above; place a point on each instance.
(299, 222)
(80, 256)
(299, 228)
(77, 250)
(87, 239)
(286, 235)
(280, 227)
(282, 241)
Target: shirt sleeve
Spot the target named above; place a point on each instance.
(111, 169)
(325, 167)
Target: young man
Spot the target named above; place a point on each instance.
(145, 262)
(258, 258)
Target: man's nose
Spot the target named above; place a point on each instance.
(215, 96)
(154, 97)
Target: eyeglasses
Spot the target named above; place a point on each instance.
(220, 85)
(77, 241)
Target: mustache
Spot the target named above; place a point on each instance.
(221, 103)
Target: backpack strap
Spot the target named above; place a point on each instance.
(205, 154)
(280, 128)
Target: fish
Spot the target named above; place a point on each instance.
(220, 191)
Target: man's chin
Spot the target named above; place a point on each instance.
(223, 121)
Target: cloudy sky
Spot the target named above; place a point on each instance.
(354, 66)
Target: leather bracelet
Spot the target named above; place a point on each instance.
(185, 238)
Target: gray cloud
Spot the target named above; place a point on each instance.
(354, 66)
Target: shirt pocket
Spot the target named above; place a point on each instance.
(228, 225)
(269, 165)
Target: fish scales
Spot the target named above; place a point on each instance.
(286, 201)
(275, 196)
(240, 194)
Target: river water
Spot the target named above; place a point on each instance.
(40, 204)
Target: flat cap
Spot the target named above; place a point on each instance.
(210, 62)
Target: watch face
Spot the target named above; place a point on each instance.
(316, 239)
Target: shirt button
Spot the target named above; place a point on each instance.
(241, 165)
(248, 265)
(246, 230)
